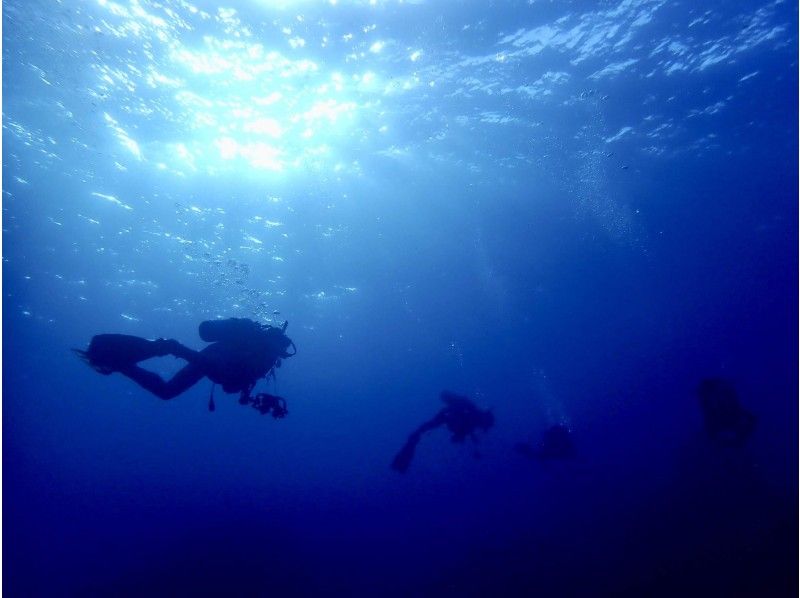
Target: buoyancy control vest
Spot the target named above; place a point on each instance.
(247, 350)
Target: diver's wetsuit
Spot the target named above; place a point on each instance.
(213, 362)
(461, 417)
(235, 363)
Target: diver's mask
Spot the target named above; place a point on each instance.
(279, 342)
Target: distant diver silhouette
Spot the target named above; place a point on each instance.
(726, 421)
(461, 417)
(556, 443)
(241, 353)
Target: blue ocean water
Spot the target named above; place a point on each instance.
(570, 211)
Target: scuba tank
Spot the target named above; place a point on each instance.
(231, 330)
(249, 351)
(238, 331)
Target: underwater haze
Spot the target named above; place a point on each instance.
(570, 211)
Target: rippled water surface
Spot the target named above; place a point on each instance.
(570, 211)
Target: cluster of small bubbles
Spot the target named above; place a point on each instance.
(592, 94)
(227, 280)
(590, 186)
(230, 278)
(457, 353)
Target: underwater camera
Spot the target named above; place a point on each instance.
(267, 403)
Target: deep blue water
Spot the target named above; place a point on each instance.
(571, 212)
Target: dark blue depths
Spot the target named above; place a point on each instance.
(554, 267)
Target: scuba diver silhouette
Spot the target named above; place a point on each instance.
(461, 417)
(241, 353)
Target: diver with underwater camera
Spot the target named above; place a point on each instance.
(241, 353)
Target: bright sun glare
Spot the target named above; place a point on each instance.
(227, 99)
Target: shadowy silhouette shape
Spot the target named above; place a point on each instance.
(726, 421)
(461, 417)
(266, 403)
(556, 443)
(241, 353)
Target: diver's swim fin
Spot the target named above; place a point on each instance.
(108, 353)
(403, 459)
(84, 355)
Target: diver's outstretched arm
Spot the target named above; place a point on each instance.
(180, 382)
